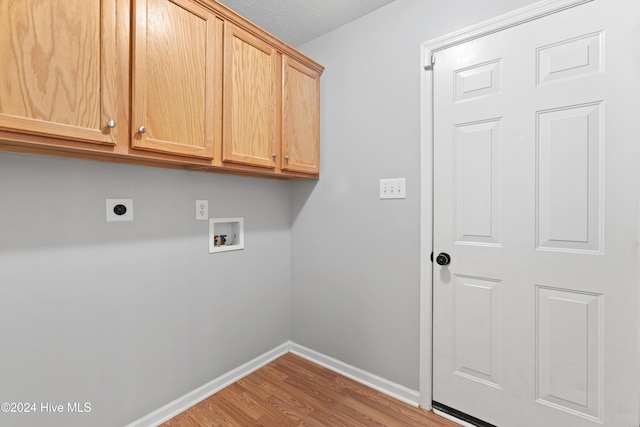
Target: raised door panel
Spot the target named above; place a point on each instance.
(58, 61)
(251, 100)
(477, 329)
(570, 184)
(569, 363)
(176, 78)
(300, 118)
(477, 182)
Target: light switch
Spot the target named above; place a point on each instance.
(394, 188)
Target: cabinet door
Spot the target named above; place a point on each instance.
(251, 100)
(176, 78)
(58, 68)
(300, 118)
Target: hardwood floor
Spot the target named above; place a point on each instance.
(292, 391)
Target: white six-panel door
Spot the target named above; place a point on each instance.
(536, 172)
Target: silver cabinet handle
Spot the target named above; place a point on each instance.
(274, 155)
(287, 157)
(142, 129)
(111, 124)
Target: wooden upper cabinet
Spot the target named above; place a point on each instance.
(179, 83)
(251, 99)
(300, 118)
(58, 69)
(176, 84)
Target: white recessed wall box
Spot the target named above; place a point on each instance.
(226, 234)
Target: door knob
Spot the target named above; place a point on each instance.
(443, 259)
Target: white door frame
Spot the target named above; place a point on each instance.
(428, 49)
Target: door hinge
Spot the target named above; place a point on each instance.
(432, 62)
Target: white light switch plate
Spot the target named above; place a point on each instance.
(394, 188)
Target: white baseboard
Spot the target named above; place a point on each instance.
(196, 396)
(397, 391)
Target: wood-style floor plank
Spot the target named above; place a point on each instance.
(292, 391)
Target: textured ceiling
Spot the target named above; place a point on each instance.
(298, 21)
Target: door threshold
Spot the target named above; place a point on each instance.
(458, 417)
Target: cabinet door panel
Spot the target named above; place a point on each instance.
(58, 68)
(176, 77)
(300, 118)
(250, 100)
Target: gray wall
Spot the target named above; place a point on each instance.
(355, 258)
(130, 316)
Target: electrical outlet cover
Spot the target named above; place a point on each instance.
(119, 210)
(202, 210)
